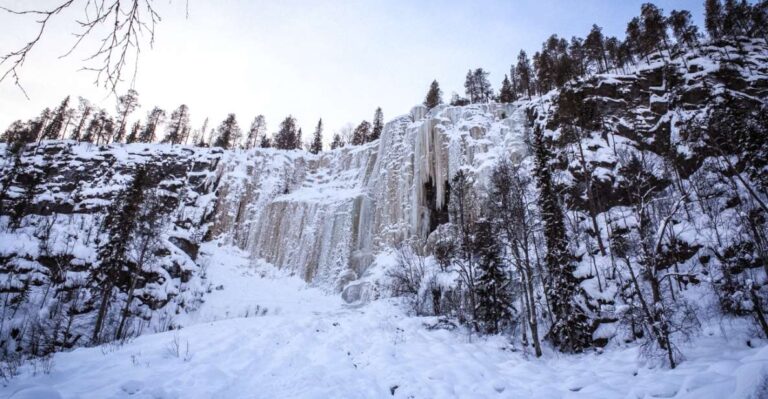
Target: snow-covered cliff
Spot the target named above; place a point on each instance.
(324, 216)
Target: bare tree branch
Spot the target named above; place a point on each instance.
(129, 22)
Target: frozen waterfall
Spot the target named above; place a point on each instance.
(325, 216)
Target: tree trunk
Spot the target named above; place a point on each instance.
(105, 297)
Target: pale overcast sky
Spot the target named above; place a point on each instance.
(337, 60)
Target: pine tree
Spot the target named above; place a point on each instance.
(434, 96)
(178, 125)
(154, 118)
(731, 19)
(108, 131)
(506, 94)
(578, 55)
(477, 86)
(378, 125)
(286, 139)
(317, 139)
(95, 128)
(53, 129)
(493, 296)
(594, 45)
(361, 133)
(634, 37)
(653, 28)
(258, 129)
(41, 122)
(612, 52)
(126, 104)
(571, 330)
(684, 30)
(84, 109)
(713, 18)
(227, 133)
(133, 136)
(337, 142)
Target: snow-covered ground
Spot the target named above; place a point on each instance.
(267, 335)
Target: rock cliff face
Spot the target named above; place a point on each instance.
(650, 151)
(322, 217)
(325, 216)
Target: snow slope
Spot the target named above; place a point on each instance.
(302, 343)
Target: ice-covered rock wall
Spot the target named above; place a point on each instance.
(324, 216)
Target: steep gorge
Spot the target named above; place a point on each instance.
(325, 217)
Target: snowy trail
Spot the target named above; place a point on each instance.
(310, 345)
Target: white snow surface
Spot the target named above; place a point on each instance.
(267, 334)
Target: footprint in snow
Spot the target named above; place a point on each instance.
(132, 386)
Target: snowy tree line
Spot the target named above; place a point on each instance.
(87, 123)
(561, 60)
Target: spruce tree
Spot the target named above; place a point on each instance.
(317, 139)
(378, 125)
(227, 133)
(286, 139)
(299, 143)
(337, 142)
(493, 295)
(524, 73)
(362, 131)
(571, 329)
(506, 94)
(470, 87)
(119, 224)
(265, 142)
(434, 96)
(544, 70)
